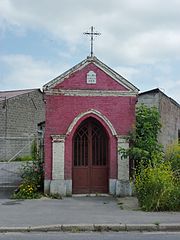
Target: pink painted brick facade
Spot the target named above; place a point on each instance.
(63, 108)
(78, 80)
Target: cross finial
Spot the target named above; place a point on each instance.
(92, 34)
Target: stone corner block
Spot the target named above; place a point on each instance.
(61, 187)
(47, 186)
(58, 187)
(112, 186)
(123, 188)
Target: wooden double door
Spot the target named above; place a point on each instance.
(90, 158)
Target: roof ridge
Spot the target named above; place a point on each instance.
(15, 93)
(115, 75)
(19, 90)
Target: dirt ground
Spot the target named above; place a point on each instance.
(128, 203)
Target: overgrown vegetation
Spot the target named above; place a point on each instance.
(143, 139)
(172, 155)
(23, 158)
(157, 188)
(32, 156)
(157, 179)
(32, 177)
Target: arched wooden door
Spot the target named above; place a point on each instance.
(90, 158)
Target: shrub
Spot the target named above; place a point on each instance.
(157, 188)
(144, 146)
(32, 172)
(157, 181)
(32, 180)
(174, 198)
(27, 191)
(172, 155)
(34, 150)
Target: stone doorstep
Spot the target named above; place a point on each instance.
(96, 228)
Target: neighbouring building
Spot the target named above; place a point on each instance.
(90, 110)
(20, 113)
(169, 113)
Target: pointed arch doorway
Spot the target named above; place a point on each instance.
(90, 158)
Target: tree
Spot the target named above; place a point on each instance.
(157, 186)
(144, 146)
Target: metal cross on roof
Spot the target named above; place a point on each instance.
(92, 34)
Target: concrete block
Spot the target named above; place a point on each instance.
(169, 227)
(47, 186)
(109, 227)
(112, 186)
(77, 227)
(141, 227)
(68, 187)
(62, 187)
(123, 188)
(58, 187)
(46, 228)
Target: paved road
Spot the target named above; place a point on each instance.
(6, 192)
(90, 236)
(75, 210)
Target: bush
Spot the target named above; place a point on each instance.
(34, 150)
(174, 198)
(157, 188)
(144, 146)
(32, 183)
(32, 172)
(172, 155)
(27, 191)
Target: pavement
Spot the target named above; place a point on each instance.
(84, 213)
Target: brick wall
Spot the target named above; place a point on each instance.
(61, 111)
(77, 80)
(169, 112)
(70, 99)
(170, 120)
(19, 121)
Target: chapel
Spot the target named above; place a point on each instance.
(90, 110)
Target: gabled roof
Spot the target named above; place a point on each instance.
(117, 77)
(14, 93)
(157, 90)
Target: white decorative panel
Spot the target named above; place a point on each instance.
(123, 163)
(58, 157)
(91, 77)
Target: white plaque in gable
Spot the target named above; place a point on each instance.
(91, 77)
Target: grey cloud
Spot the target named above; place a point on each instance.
(134, 32)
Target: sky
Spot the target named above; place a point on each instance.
(140, 39)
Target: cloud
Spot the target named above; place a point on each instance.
(174, 92)
(131, 28)
(137, 36)
(26, 72)
(128, 72)
(167, 81)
